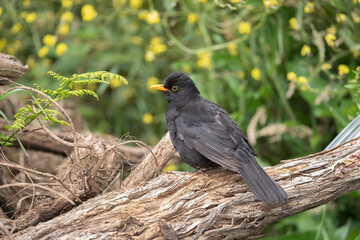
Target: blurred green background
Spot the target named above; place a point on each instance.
(284, 70)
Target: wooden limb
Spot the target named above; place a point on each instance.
(10, 68)
(218, 205)
(152, 164)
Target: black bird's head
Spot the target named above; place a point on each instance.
(178, 87)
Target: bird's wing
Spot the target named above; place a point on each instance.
(211, 139)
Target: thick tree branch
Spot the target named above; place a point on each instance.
(216, 205)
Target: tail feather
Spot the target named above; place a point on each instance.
(261, 184)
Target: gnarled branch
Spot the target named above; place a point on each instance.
(216, 205)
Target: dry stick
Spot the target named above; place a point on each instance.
(44, 174)
(146, 170)
(39, 186)
(5, 231)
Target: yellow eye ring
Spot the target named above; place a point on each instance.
(174, 88)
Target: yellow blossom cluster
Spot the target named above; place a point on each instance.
(155, 47)
(244, 28)
(309, 7)
(301, 81)
(64, 26)
(232, 49)
(192, 18)
(66, 3)
(256, 74)
(204, 60)
(147, 118)
(293, 24)
(28, 17)
(88, 13)
(151, 17)
(152, 81)
(270, 3)
(305, 50)
(136, 4)
(343, 69)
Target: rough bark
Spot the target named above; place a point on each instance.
(10, 68)
(215, 205)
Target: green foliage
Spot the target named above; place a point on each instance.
(354, 88)
(241, 55)
(40, 109)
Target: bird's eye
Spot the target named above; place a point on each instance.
(174, 88)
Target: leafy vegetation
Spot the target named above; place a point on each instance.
(295, 60)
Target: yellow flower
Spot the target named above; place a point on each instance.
(343, 69)
(270, 3)
(302, 80)
(240, 74)
(244, 28)
(31, 62)
(49, 40)
(169, 168)
(115, 82)
(67, 16)
(256, 74)
(0, 10)
(192, 18)
(340, 17)
(88, 12)
(232, 49)
(325, 66)
(355, 17)
(136, 40)
(303, 83)
(186, 68)
(2, 43)
(147, 118)
(234, 1)
(293, 24)
(43, 51)
(64, 29)
(202, 1)
(61, 48)
(29, 18)
(330, 38)
(309, 7)
(16, 28)
(136, 4)
(66, 3)
(157, 46)
(356, 54)
(152, 81)
(305, 50)
(291, 76)
(149, 56)
(142, 15)
(204, 60)
(26, 3)
(118, 3)
(153, 17)
(331, 29)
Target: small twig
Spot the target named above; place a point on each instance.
(39, 186)
(6, 232)
(51, 176)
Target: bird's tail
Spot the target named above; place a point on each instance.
(261, 184)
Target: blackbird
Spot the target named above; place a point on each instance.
(204, 135)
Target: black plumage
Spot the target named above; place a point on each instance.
(204, 135)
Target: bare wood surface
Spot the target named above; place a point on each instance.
(216, 205)
(10, 68)
(152, 164)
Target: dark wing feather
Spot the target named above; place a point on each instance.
(211, 140)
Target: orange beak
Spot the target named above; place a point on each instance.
(159, 87)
